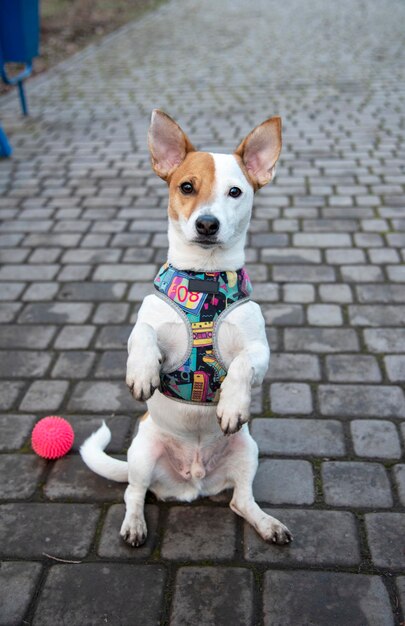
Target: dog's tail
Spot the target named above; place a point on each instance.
(96, 459)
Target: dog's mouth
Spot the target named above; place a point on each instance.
(207, 243)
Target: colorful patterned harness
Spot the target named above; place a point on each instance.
(203, 299)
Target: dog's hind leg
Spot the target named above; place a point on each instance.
(142, 458)
(241, 472)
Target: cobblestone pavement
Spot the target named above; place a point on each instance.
(82, 235)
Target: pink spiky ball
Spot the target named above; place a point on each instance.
(52, 437)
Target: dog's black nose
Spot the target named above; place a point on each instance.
(207, 225)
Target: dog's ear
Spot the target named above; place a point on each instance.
(168, 144)
(260, 150)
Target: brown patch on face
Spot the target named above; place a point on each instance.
(198, 168)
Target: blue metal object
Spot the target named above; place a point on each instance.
(19, 40)
(5, 148)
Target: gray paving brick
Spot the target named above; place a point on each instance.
(17, 585)
(11, 291)
(44, 395)
(304, 273)
(291, 398)
(56, 313)
(298, 437)
(121, 271)
(284, 482)
(376, 315)
(347, 368)
(375, 438)
(112, 365)
(290, 255)
(19, 475)
(335, 293)
(399, 475)
(40, 292)
(321, 340)
(85, 425)
(73, 364)
(190, 534)
(8, 311)
(385, 535)
(322, 538)
(111, 544)
(322, 240)
(352, 599)
(21, 336)
(92, 291)
(395, 367)
(9, 392)
(361, 401)
(118, 593)
(28, 272)
(111, 313)
(23, 363)
(71, 479)
(356, 484)
(298, 292)
(283, 314)
(14, 430)
(113, 336)
(362, 273)
(396, 273)
(285, 366)
(196, 598)
(324, 315)
(385, 339)
(61, 530)
(74, 337)
(387, 293)
(103, 396)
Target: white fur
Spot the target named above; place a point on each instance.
(180, 450)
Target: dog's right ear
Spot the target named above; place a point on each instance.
(168, 144)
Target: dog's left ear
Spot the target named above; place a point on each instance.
(168, 144)
(260, 150)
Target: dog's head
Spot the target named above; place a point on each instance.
(211, 195)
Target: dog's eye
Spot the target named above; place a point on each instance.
(235, 192)
(187, 188)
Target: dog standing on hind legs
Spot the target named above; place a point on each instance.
(199, 343)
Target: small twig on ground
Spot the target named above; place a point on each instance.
(55, 558)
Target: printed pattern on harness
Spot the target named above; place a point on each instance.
(202, 297)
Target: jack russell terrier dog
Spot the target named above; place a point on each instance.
(199, 343)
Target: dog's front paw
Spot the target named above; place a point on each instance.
(134, 531)
(273, 531)
(233, 408)
(143, 375)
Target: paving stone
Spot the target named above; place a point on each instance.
(298, 437)
(321, 340)
(340, 599)
(61, 530)
(8, 311)
(23, 363)
(9, 392)
(361, 401)
(111, 313)
(335, 293)
(284, 482)
(92, 291)
(304, 273)
(387, 293)
(375, 438)
(71, 479)
(113, 336)
(385, 339)
(376, 315)
(73, 364)
(197, 601)
(298, 292)
(44, 395)
(385, 536)
(283, 315)
(14, 430)
(322, 240)
(103, 396)
(290, 255)
(399, 475)
(356, 484)
(85, 425)
(13, 336)
(112, 365)
(322, 538)
(352, 368)
(11, 291)
(112, 545)
(291, 398)
(28, 272)
(96, 593)
(324, 315)
(73, 337)
(284, 366)
(121, 271)
(396, 273)
(19, 475)
(41, 291)
(395, 367)
(56, 313)
(17, 585)
(199, 533)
